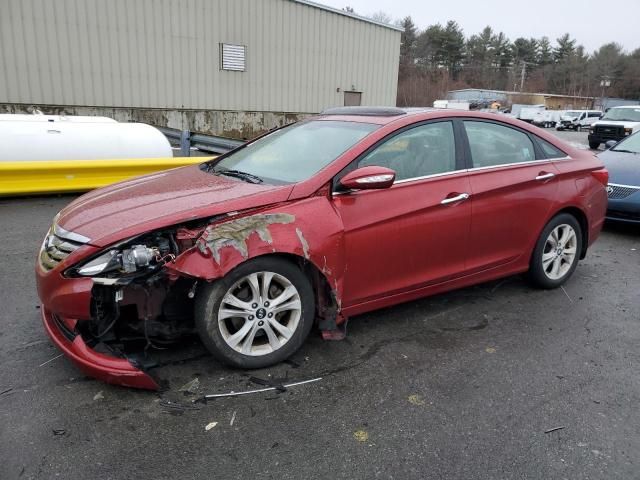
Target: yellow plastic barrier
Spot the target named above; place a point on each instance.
(60, 176)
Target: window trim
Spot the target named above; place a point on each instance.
(457, 145)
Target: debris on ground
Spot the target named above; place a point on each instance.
(6, 391)
(190, 387)
(209, 426)
(416, 400)
(177, 407)
(268, 383)
(233, 419)
(98, 396)
(291, 362)
(553, 429)
(361, 435)
(59, 431)
(565, 292)
(490, 350)
(259, 390)
(50, 360)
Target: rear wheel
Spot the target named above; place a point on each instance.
(594, 145)
(256, 316)
(557, 252)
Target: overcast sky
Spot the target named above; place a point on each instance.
(589, 21)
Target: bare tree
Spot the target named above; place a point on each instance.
(382, 17)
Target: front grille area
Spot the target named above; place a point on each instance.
(617, 192)
(55, 249)
(613, 132)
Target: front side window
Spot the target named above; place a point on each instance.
(420, 151)
(492, 144)
(292, 154)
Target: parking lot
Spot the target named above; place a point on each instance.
(493, 381)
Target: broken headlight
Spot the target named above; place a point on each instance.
(125, 261)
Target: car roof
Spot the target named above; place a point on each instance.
(387, 115)
(626, 106)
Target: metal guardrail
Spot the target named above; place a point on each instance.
(207, 143)
(60, 176)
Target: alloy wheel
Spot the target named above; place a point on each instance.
(259, 313)
(560, 250)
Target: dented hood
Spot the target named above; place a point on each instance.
(143, 204)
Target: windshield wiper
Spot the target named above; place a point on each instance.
(623, 150)
(248, 177)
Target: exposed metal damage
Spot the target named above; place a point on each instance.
(138, 310)
(235, 233)
(304, 243)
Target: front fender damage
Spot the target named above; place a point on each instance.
(316, 247)
(153, 308)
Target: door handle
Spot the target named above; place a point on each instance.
(458, 198)
(545, 176)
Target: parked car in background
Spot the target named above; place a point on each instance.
(578, 119)
(454, 104)
(623, 163)
(350, 211)
(616, 124)
(547, 118)
(528, 114)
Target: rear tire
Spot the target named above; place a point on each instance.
(258, 315)
(557, 252)
(594, 145)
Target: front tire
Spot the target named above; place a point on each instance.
(594, 145)
(257, 315)
(557, 252)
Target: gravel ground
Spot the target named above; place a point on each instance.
(493, 381)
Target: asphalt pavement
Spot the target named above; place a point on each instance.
(490, 382)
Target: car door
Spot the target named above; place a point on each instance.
(415, 232)
(513, 189)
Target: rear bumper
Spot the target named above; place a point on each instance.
(118, 371)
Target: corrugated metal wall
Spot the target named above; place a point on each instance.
(165, 54)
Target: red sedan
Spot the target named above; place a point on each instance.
(353, 210)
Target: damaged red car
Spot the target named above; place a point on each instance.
(349, 211)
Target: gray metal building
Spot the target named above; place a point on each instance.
(231, 67)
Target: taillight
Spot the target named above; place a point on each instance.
(602, 175)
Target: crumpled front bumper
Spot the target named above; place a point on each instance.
(118, 371)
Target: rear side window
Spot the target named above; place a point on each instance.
(549, 150)
(492, 144)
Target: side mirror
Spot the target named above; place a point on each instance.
(368, 178)
(610, 143)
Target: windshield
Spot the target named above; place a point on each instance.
(623, 114)
(631, 144)
(294, 153)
